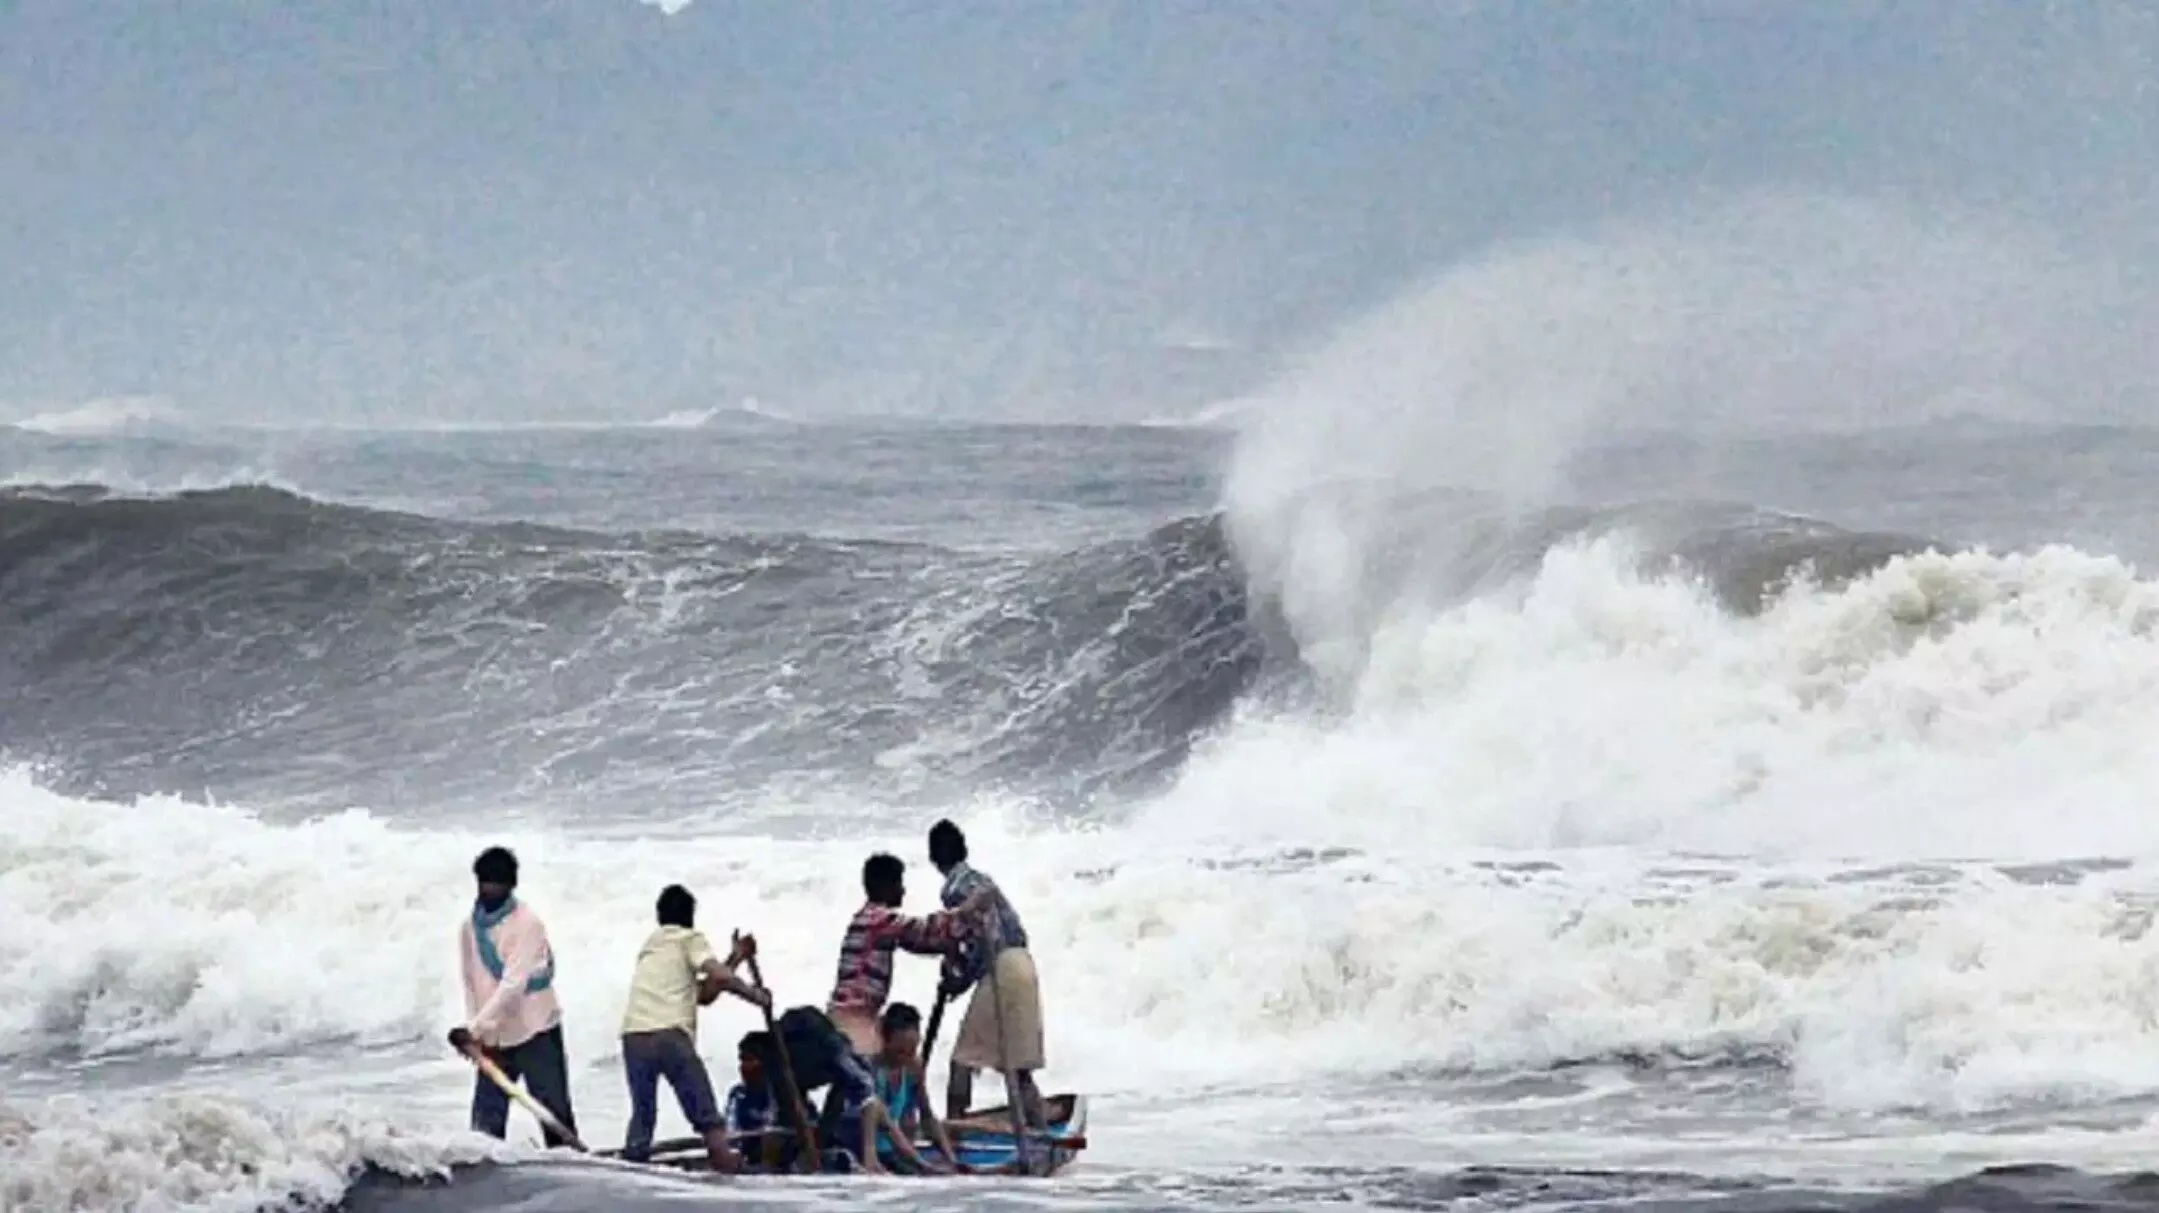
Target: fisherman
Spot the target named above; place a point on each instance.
(676, 973)
(865, 970)
(511, 1014)
(1002, 1029)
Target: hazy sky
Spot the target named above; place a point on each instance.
(439, 207)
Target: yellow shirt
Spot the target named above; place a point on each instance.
(663, 990)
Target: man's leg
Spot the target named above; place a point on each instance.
(851, 1083)
(644, 1080)
(813, 1046)
(1015, 1099)
(490, 1104)
(547, 1076)
(1031, 1101)
(959, 1091)
(490, 1107)
(685, 1073)
(830, 1118)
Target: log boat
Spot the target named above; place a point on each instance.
(983, 1138)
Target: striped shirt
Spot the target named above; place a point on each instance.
(962, 882)
(865, 976)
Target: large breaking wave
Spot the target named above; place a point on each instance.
(295, 647)
(254, 641)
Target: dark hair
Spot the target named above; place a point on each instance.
(754, 1044)
(676, 907)
(495, 866)
(882, 873)
(947, 845)
(900, 1017)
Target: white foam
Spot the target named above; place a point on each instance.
(110, 415)
(208, 474)
(206, 1155)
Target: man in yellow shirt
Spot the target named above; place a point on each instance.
(676, 974)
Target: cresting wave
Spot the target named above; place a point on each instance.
(230, 630)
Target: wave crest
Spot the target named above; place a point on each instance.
(299, 648)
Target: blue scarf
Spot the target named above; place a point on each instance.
(482, 922)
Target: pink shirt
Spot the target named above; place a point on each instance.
(501, 1015)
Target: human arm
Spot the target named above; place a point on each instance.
(963, 966)
(873, 1110)
(895, 1127)
(933, 1124)
(718, 981)
(930, 934)
(468, 967)
(715, 976)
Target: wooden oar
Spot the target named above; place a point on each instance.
(929, 1038)
(486, 1065)
(807, 1157)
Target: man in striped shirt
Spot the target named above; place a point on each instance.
(873, 934)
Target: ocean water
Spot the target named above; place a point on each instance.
(1760, 822)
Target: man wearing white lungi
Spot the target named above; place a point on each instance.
(1002, 1030)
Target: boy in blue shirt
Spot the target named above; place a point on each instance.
(752, 1115)
(753, 1110)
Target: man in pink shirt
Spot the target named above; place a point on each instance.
(510, 1006)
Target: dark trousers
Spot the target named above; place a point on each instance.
(546, 1071)
(648, 1057)
(822, 1057)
